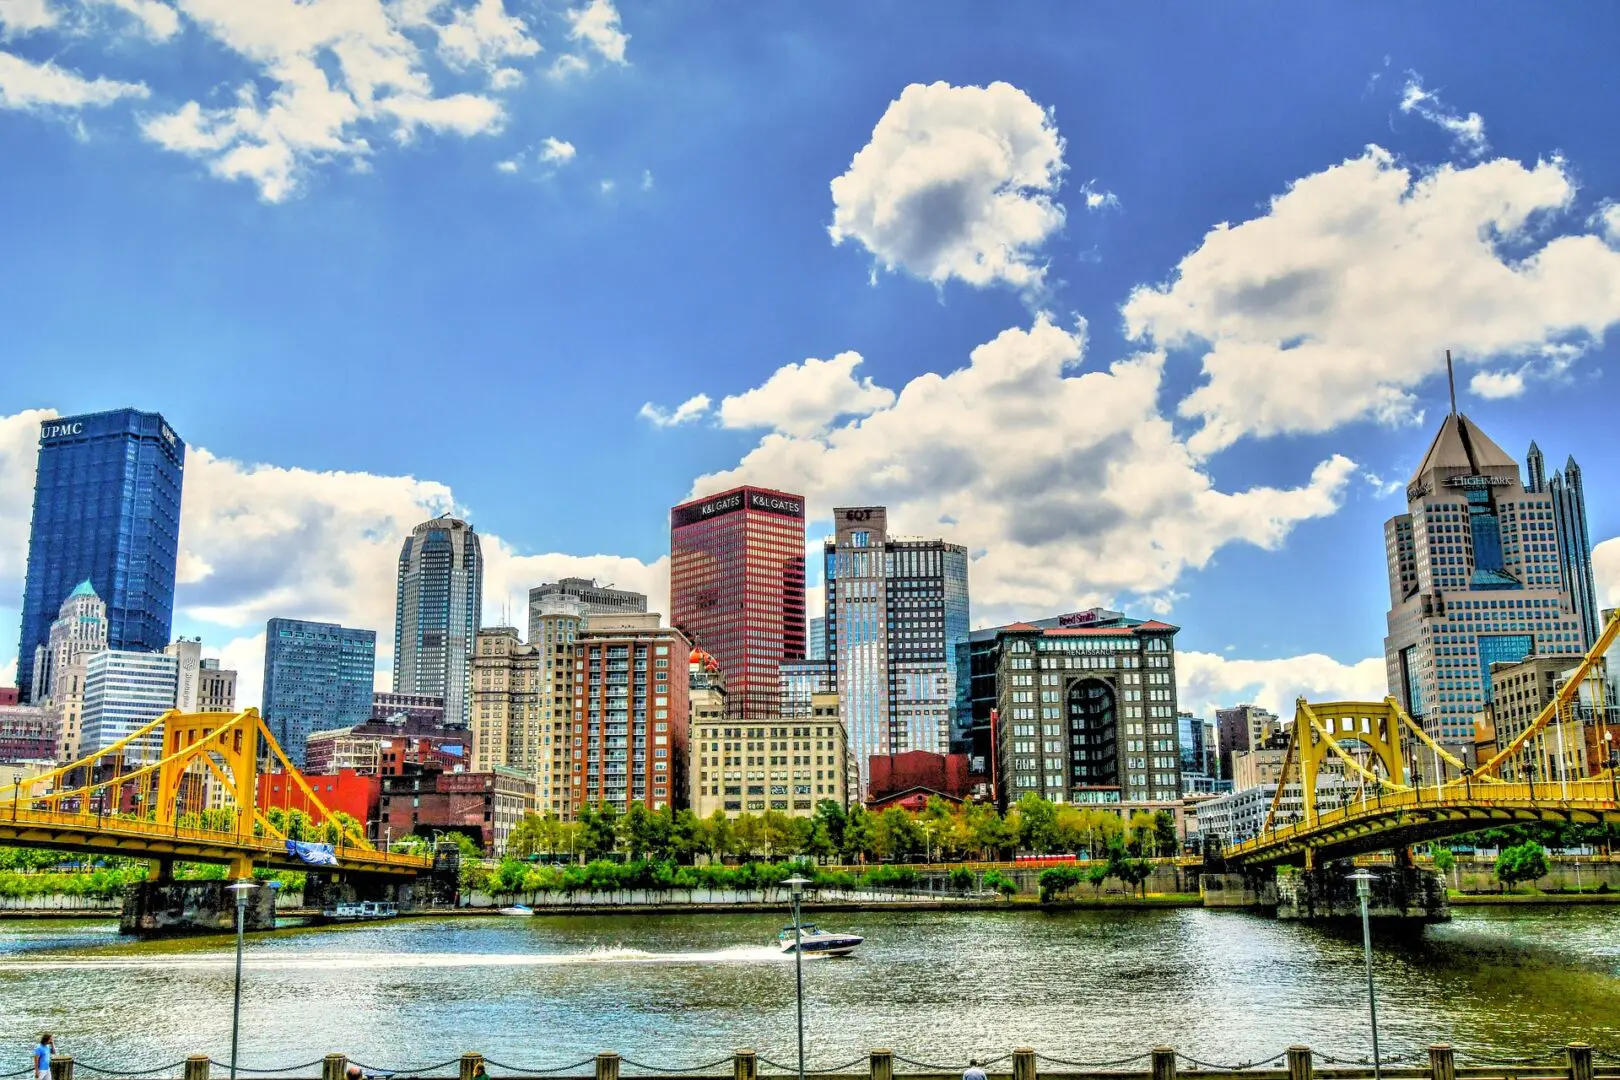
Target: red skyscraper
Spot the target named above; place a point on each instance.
(736, 585)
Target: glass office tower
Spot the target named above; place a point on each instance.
(437, 614)
(317, 676)
(107, 511)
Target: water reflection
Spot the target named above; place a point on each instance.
(937, 987)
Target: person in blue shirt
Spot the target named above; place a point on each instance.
(42, 1057)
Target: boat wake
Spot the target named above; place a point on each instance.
(352, 961)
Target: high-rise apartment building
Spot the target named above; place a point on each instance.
(815, 647)
(737, 588)
(1242, 728)
(1084, 707)
(123, 691)
(61, 664)
(790, 767)
(106, 510)
(317, 676)
(555, 623)
(437, 613)
(1568, 496)
(506, 727)
(1475, 579)
(897, 609)
(631, 712)
(597, 599)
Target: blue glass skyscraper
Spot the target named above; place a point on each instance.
(317, 676)
(107, 511)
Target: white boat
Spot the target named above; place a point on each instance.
(516, 909)
(818, 942)
(355, 912)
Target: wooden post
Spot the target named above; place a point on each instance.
(471, 1064)
(744, 1065)
(607, 1066)
(62, 1067)
(334, 1066)
(197, 1067)
(1164, 1063)
(1442, 1062)
(883, 1065)
(1299, 1063)
(1023, 1064)
(1580, 1061)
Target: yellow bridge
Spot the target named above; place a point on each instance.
(1375, 803)
(196, 802)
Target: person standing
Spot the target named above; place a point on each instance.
(42, 1057)
(974, 1071)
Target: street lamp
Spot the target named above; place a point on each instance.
(1364, 880)
(796, 886)
(1468, 782)
(241, 889)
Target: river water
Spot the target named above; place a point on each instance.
(681, 991)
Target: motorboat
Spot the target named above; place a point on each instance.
(516, 909)
(359, 912)
(817, 942)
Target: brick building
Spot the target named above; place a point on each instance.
(483, 805)
(345, 791)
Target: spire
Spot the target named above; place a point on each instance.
(1451, 383)
(83, 588)
(1538, 468)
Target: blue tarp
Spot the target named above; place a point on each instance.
(313, 854)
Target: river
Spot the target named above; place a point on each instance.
(677, 991)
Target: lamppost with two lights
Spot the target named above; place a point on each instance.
(1364, 880)
(796, 886)
(242, 889)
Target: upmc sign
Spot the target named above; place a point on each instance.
(765, 501)
(50, 430)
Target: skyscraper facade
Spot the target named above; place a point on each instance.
(506, 726)
(555, 623)
(1475, 578)
(106, 510)
(1568, 496)
(597, 599)
(631, 714)
(1084, 707)
(437, 613)
(737, 588)
(61, 664)
(124, 690)
(317, 676)
(897, 609)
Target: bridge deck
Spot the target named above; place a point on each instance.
(135, 838)
(1397, 820)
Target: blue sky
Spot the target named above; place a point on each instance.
(558, 265)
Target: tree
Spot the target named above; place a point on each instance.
(1037, 820)
(686, 837)
(860, 836)
(641, 833)
(831, 816)
(599, 830)
(1164, 829)
(1000, 883)
(1056, 881)
(1097, 874)
(898, 834)
(1446, 863)
(1522, 862)
(718, 837)
(1141, 834)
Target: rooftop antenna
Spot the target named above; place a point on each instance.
(1451, 382)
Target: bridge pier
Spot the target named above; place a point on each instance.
(157, 908)
(1398, 892)
(1239, 889)
(323, 890)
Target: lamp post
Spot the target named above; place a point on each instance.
(1364, 880)
(796, 886)
(1468, 782)
(241, 889)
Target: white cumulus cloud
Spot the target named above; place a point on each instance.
(26, 16)
(803, 399)
(1065, 483)
(1606, 571)
(1208, 681)
(1339, 300)
(44, 87)
(556, 151)
(956, 182)
(596, 26)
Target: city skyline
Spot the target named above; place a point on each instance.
(938, 367)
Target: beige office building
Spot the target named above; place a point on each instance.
(506, 728)
(555, 622)
(741, 767)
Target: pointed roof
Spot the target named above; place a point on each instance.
(84, 588)
(1460, 445)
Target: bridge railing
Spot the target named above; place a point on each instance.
(1585, 792)
(241, 838)
(1578, 1061)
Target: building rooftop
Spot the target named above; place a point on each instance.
(1460, 445)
